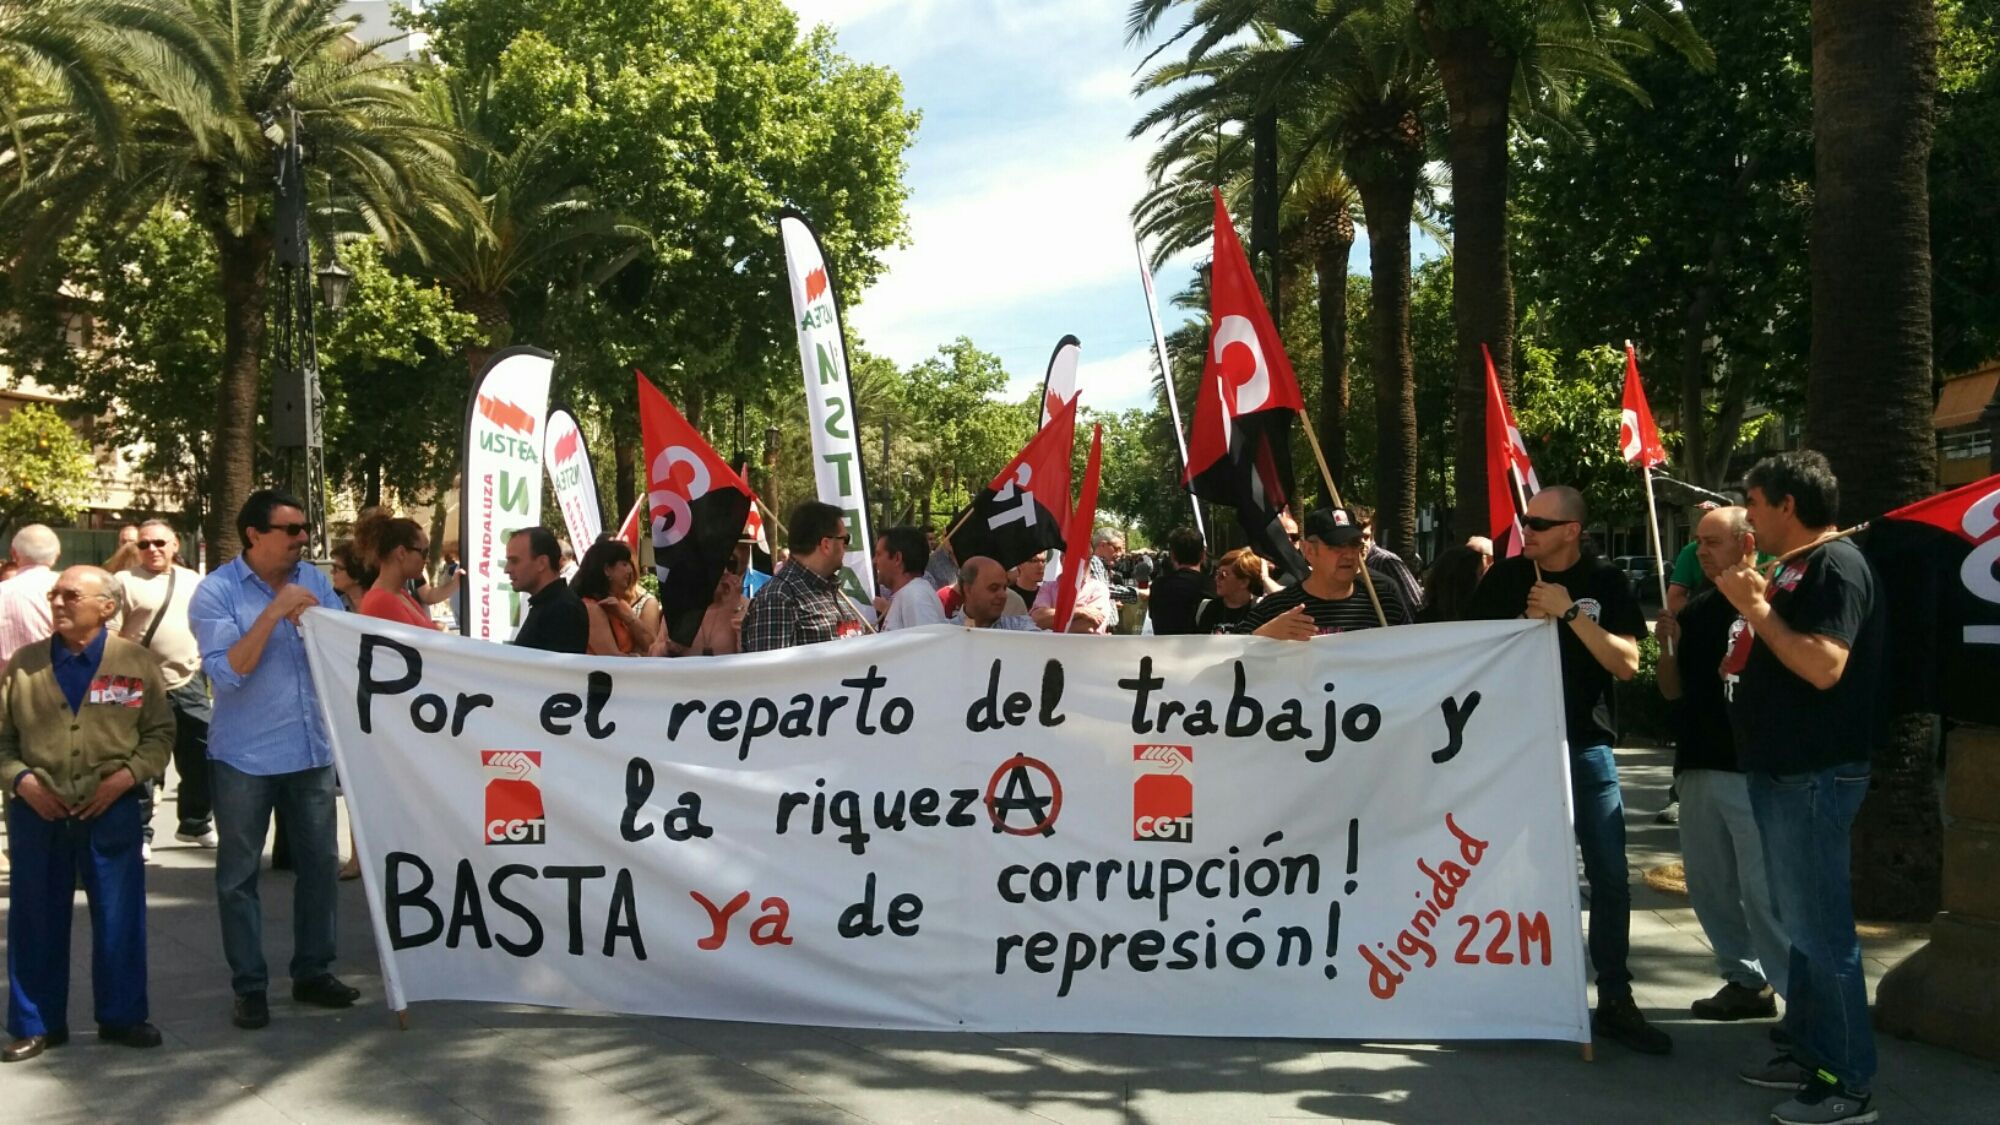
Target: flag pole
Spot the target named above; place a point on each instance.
(1653, 522)
(1167, 375)
(1333, 490)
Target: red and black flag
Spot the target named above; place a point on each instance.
(1510, 476)
(1939, 562)
(1240, 452)
(698, 506)
(1026, 509)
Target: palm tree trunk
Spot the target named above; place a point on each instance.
(1477, 74)
(495, 327)
(1868, 388)
(1387, 201)
(624, 474)
(1330, 267)
(243, 263)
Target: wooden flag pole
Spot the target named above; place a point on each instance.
(1659, 556)
(1333, 490)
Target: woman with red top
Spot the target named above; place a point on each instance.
(399, 551)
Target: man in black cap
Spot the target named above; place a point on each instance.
(1333, 598)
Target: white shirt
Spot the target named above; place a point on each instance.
(915, 604)
(24, 610)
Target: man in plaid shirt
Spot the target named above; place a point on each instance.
(803, 604)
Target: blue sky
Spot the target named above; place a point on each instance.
(1020, 181)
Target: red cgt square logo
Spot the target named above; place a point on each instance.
(1163, 793)
(513, 796)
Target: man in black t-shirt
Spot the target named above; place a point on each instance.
(1599, 626)
(1179, 592)
(1805, 681)
(1333, 598)
(1720, 844)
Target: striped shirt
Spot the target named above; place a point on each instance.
(1333, 615)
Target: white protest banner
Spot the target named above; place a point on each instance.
(836, 434)
(502, 486)
(1357, 837)
(574, 484)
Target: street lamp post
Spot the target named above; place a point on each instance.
(297, 405)
(771, 436)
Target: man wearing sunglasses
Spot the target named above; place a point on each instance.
(803, 604)
(1332, 598)
(1598, 624)
(153, 599)
(268, 749)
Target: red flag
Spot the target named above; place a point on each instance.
(1510, 476)
(628, 531)
(699, 506)
(1638, 437)
(1239, 452)
(1078, 548)
(1025, 510)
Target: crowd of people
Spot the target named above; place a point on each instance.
(1774, 673)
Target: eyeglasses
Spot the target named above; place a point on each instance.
(844, 539)
(1542, 523)
(69, 596)
(153, 544)
(294, 530)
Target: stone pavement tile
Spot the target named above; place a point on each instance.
(1005, 1076)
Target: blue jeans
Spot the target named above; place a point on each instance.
(50, 858)
(243, 805)
(1600, 834)
(1805, 819)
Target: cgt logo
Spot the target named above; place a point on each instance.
(513, 797)
(1163, 793)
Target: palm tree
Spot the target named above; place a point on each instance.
(207, 103)
(1868, 388)
(535, 211)
(1495, 61)
(1207, 147)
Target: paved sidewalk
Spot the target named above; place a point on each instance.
(503, 1063)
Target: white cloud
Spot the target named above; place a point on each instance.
(1117, 382)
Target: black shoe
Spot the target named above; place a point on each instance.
(1780, 1036)
(324, 991)
(251, 1012)
(1621, 1020)
(21, 1050)
(1735, 1002)
(141, 1034)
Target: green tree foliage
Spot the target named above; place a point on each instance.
(695, 120)
(46, 471)
(1680, 223)
(1965, 164)
(210, 87)
(391, 367)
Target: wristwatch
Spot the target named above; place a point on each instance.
(1569, 614)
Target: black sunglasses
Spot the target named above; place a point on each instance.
(292, 529)
(1541, 523)
(149, 544)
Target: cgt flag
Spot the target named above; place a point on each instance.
(1510, 476)
(1079, 535)
(1638, 437)
(1240, 452)
(1059, 381)
(1939, 560)
(1026, 509)
(699, 506)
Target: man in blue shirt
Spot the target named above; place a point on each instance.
(268, 748)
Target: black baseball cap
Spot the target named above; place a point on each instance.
(1335, 527)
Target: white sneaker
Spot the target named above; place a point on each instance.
(206, 839)
(145, 852)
